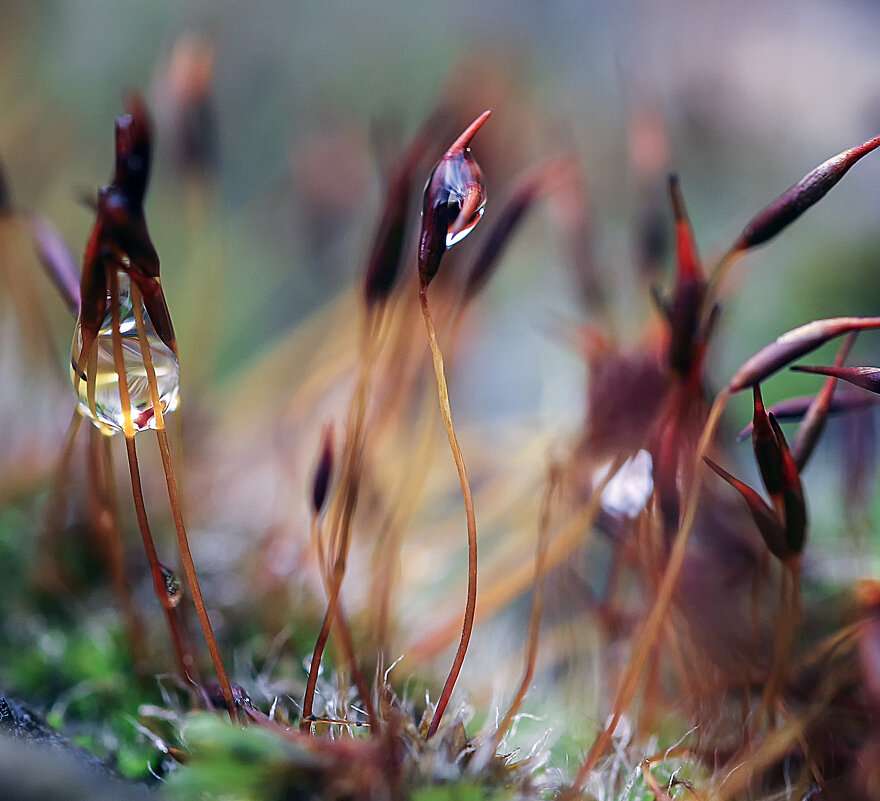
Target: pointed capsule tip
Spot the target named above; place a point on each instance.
(676, 197)
(467, 134)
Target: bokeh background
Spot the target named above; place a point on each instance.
(310, 104)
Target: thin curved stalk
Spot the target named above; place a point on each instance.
(343, 633)
(471, 604)
(107, 523)
(174, 498)
(181, 654)
(516, 580)
(341, 516)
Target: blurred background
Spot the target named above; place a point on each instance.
(277, 127)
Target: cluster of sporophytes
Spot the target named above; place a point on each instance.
(707, 584)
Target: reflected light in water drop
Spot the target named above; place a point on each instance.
(107, 413)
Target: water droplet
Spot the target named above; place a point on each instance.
(107, 412)
(454, 236)
(457, 184)
(168, 586)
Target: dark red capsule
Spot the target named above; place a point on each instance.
(795, 201)
(120, 239)
(453, 202)
(323, 471)
(686, 305)
(770, 527)
(768, 453)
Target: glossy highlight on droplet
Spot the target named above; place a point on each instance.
(106, 411)
(466, 201)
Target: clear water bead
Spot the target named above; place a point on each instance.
(453, 236)
(106, 413)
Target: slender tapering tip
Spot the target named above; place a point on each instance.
(464, 140)
(676, 197)
(864, 377)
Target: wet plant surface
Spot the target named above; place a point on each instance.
(247, 558)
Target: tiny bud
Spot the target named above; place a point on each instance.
(795, 201)
(323, 471)
(453, 204)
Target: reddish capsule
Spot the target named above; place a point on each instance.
(770, 527)
(768, 453)
(453, 204)
(119, 238)
(794, 344)
(795, 201)
(686, 305)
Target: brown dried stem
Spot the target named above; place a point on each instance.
(174, 499)
(182, 656)
(471, 605)
(106, 520)
(341, 516)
